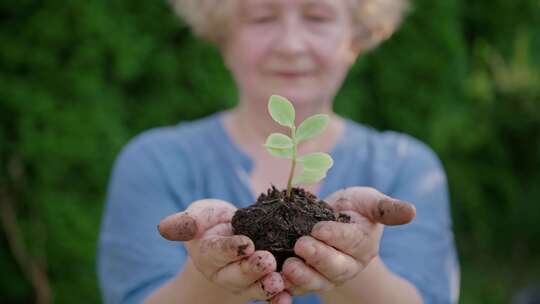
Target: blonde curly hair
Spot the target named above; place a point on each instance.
(375, 20)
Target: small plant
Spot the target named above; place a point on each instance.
(279, 217)
(314, 165)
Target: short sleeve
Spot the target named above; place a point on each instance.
(423, 251)
(133, 259)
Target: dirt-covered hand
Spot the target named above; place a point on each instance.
(336, 252)
(225, 259)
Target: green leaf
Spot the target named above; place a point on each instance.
(280, 152)
(281, 110)
(312, 126)
(308, 177)
(279, 145)
(279, 141)
(316, 161)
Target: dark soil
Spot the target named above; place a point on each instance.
(274, 223)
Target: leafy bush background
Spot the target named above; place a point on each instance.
(79, 78)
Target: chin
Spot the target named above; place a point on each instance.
(300, 99)
(292, 92)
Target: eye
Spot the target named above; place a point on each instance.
(319, 13)
(262, 19)
(318, 18)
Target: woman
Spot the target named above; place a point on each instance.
(196, 174)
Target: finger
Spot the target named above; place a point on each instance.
(302, 279)
(351, 239)
(178, 227)
(334, 265)
(192, 223)
(282, 298)
(374, 205)
(242, 274)
(267, 287)
(219, 251)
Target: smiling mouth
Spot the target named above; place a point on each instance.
(291, 74)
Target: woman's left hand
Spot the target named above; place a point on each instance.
(337, 252)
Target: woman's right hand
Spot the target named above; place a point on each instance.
(227, 260)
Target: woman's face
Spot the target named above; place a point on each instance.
(301, 49)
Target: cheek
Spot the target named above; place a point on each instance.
(246, 56)
(334, 62)
(335, 53)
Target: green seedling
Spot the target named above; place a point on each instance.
(314, 165)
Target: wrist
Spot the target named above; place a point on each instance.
(375, 284)
(191, 286)
(375, 271)
(201, 285)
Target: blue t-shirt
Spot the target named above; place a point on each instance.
(162, 170)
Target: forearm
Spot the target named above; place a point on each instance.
(376, 284)
(190, 286)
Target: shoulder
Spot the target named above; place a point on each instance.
(164, 159)
(390, 145)
(390, 156)
(406, 149)
(171, 141)
(169, 153)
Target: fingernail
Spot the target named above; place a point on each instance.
(395, 212)
(178, 227)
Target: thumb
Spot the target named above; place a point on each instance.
(374, 205)
(192, 223)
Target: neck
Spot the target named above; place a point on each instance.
(249, 124)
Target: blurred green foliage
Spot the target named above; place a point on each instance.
(78, 79)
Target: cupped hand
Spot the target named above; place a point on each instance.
(227, 260)
(336, 252)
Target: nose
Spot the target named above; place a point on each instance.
(290, 39)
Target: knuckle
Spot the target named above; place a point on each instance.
(352, 246)
(318, 257)
(221, 245)
(238, 246)
(299, 276)
(208, 245)
(357, 241)
(236, 241)
(214, 243)
(345, 274)
(318, 284)
(228, 245)
(296, 274)
(206, 214)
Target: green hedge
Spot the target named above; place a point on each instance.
(78, 79)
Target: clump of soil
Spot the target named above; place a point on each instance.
(274, 222)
